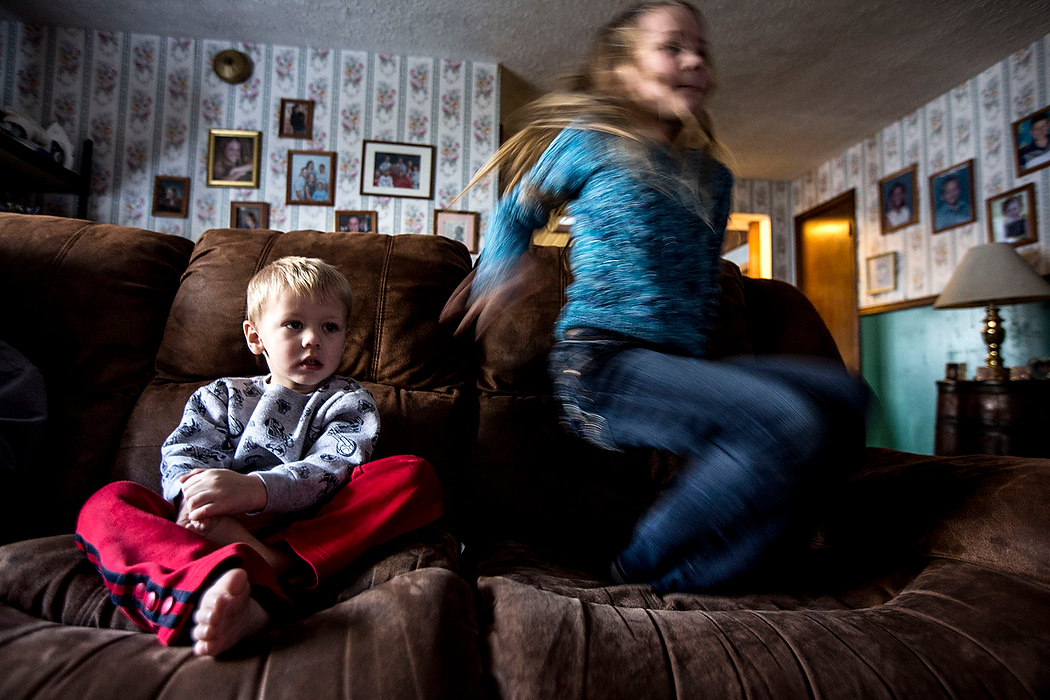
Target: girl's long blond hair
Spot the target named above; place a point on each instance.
(595, 98)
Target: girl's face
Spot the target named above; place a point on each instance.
(669, 74)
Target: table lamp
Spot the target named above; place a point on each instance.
(992, 275)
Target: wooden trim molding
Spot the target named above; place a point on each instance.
(898, 306)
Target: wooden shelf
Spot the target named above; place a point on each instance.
(24, 169)
(989, 417)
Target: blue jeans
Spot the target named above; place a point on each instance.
(757, 433)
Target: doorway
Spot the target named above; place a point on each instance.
(826, 270)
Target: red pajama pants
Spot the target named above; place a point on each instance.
(156, 570)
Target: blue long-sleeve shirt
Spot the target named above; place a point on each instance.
(645, 249)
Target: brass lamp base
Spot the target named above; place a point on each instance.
(993, 334)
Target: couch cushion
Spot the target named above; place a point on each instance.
(398, 623)
(86, 303)
(957, 630)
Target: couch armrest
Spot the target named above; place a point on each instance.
(985, 510)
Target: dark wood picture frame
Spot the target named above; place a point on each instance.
(171, 196)
(311, 178)
(1032, 141)
(895, 216)
(234, 168)
(460, 226)
(367, 220)
(950, 208)
(296, 119)
(392, 169)
(1019, 226)
(249, 215)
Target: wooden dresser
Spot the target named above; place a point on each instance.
(995, 418)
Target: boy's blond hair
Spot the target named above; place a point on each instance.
(310, 278)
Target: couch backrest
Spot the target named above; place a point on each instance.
(533, 482)
(86, 303)
(413, 365)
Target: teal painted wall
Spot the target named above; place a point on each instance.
(903, 355)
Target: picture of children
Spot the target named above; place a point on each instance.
(309, 177)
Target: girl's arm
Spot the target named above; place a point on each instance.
(499, 280)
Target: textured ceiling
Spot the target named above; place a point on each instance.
(800, 80)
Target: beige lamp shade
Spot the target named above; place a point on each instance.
(992, 274)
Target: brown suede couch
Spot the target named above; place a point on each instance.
(928, 577)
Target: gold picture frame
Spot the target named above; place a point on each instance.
(233, 158)
(882, 273)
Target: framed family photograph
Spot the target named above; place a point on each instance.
(1032, 141)
(171, 196)
(951, 197)
(882, 273)
(297, 119)
(249, 215)
(310, 177)
(897, 202)
(397, 170)
(356, 221)
(233, 158)
(1012, 217)
(460, 226)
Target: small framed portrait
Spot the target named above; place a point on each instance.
(951, 197)
(297, 119)
(310, 177)
(1012, 217)
(1032, 141)
(397, 170)
(171, 196)
(882, 273)
(460, 226)
(249, 215)
(357, 221)
(897, 203)
(233, 158)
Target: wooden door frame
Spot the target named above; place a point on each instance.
(848, 200)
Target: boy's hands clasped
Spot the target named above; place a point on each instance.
(212, 493)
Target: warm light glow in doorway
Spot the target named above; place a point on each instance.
(827, 227)
(748, 222)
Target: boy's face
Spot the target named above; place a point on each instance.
(302, 339)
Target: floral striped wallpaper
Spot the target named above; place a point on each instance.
(772, 198)
(148, 103)
(972, 121)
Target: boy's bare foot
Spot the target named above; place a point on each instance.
(226, 614)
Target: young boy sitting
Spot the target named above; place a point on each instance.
(266, 481)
